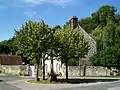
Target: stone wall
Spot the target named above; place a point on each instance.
(14, 69)
(75, 71)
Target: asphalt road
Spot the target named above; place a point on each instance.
(108, 86)
(5, 86)
(10, 78)
(12, 83)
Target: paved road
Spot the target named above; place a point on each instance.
(102, 86)
(17, 83)
(5, 86)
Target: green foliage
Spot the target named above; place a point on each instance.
(108, 55)
(66, 25)
(32, 42)
(4, 48)
(107, 58)
(73, 62)
(88, 24)
(104, 13)
(72, 46)
(57, 27)
(98, 18)
(8, 46)
(104, 26)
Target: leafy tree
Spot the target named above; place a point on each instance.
(97, 19)
(53, 50)
(103, 25)
(8, 47)
(88, 24)
(66, 25)
(4, 48)
(109, 55)
(97, 35)
(73, 62)
(57, 27)
(72, 45)
(30, 40)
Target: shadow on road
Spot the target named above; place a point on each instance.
(77, 81)
(1, 81)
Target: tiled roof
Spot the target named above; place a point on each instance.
(10, 60)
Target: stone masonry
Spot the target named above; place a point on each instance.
(76, 71)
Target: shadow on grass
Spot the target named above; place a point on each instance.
(77, 81)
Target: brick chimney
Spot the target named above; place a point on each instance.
(73, 22)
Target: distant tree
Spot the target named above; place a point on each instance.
(88, 24)
(101, 17)
(66, 25)
(4, 48)
(57, 27)
(97, 35)
(8, 47)
(117, 18)
(98, 18)
(109, 55)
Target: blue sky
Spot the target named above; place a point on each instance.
(14, 13)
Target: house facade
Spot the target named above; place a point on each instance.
(58, 66)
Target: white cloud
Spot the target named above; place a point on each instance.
(30, 14)
(27, 3)
(54, 2)
(33, 1)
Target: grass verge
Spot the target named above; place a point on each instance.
(44, 82)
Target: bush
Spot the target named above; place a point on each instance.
(23, 73)
(59, 74)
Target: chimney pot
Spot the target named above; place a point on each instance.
(73, 22)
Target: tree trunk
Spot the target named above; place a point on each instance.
(52, 71)
(79, 67)
(37, 70)
(66, 70)
(43, 69)
(51, 66)
(84, 71)
(53, 77)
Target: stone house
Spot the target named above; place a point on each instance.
(92, 48)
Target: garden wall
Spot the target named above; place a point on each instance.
(14, 69)
(75, 71)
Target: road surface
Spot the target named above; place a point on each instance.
(102, 86)
(18, 83)
(5, 86)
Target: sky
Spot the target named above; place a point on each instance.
(14, 13)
